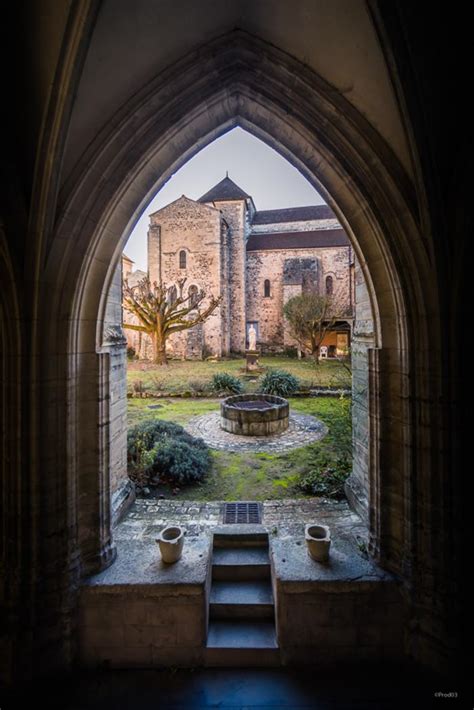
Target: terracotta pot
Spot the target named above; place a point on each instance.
(318, 541)
(171, 541)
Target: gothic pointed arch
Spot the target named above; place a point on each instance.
(311, 124)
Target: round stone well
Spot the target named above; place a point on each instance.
(255, 414)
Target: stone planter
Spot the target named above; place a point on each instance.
(318, 541)
(171, 541)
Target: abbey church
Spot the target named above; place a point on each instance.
(255, 261)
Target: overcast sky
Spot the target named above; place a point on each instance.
(257, 169)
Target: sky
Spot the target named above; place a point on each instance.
(259, 170)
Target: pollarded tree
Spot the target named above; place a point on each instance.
(162, 311)
(310, 316)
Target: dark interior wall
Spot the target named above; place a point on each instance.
(426, 46)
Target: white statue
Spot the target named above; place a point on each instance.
(252, 338)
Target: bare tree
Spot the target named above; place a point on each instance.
(163, 310)
(310, 316)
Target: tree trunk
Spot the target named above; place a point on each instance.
(159, 349)
(315, 354)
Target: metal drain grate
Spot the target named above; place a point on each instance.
(242, 513)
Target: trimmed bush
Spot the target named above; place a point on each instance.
(225, 383)
(279, 382)
(165, 450)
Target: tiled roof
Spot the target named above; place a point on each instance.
(226, 189)
(298, 240)
(294, 214)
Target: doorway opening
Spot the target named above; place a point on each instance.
(263, 244)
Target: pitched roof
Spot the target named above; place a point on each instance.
(298, 240)
(226, 189)
(294, 214)
(127, 258)
(183, 198)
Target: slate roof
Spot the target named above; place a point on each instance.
(298, 240)
(226, 189)
(294, 214)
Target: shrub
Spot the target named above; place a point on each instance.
(165, 450)
(224, 382)
(279, 382)
(327, 476)
(131, 353)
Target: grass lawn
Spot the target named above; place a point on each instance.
(189, 376)
(250, 476)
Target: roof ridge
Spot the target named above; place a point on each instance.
(304, 212)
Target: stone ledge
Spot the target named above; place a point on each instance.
(138, 565)
(296, 570)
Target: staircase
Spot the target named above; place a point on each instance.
(241, 609)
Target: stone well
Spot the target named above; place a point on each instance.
(255, 414)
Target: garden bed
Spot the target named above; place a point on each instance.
(260, 476)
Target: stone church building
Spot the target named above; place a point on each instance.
(255, 260)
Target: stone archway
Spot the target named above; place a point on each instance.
(238, 80)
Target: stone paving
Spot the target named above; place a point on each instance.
(281, 518)
(303, 429)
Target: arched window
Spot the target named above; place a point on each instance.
(266, 288)
(172, 294)
(182, 259)
(329, 285)
(193, 293)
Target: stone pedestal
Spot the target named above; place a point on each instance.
(251, 360)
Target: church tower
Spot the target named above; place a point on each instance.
(237, 209)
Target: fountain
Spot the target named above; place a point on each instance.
(255, 414)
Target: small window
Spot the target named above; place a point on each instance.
(193, 293)
(329, 285)
(182, 259)
(172, 294)
(266, 288)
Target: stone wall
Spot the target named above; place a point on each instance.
(144, 613)
(363, 342)
(114, 345)
(326, 613)
(186, 225)
(270, 264)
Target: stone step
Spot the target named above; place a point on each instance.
(252, 599)
(240, 563)
(254, 591)
(239, 643)
(240, 536)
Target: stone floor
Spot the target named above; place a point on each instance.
(363, 687)
(303, 429)
(282, 518)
